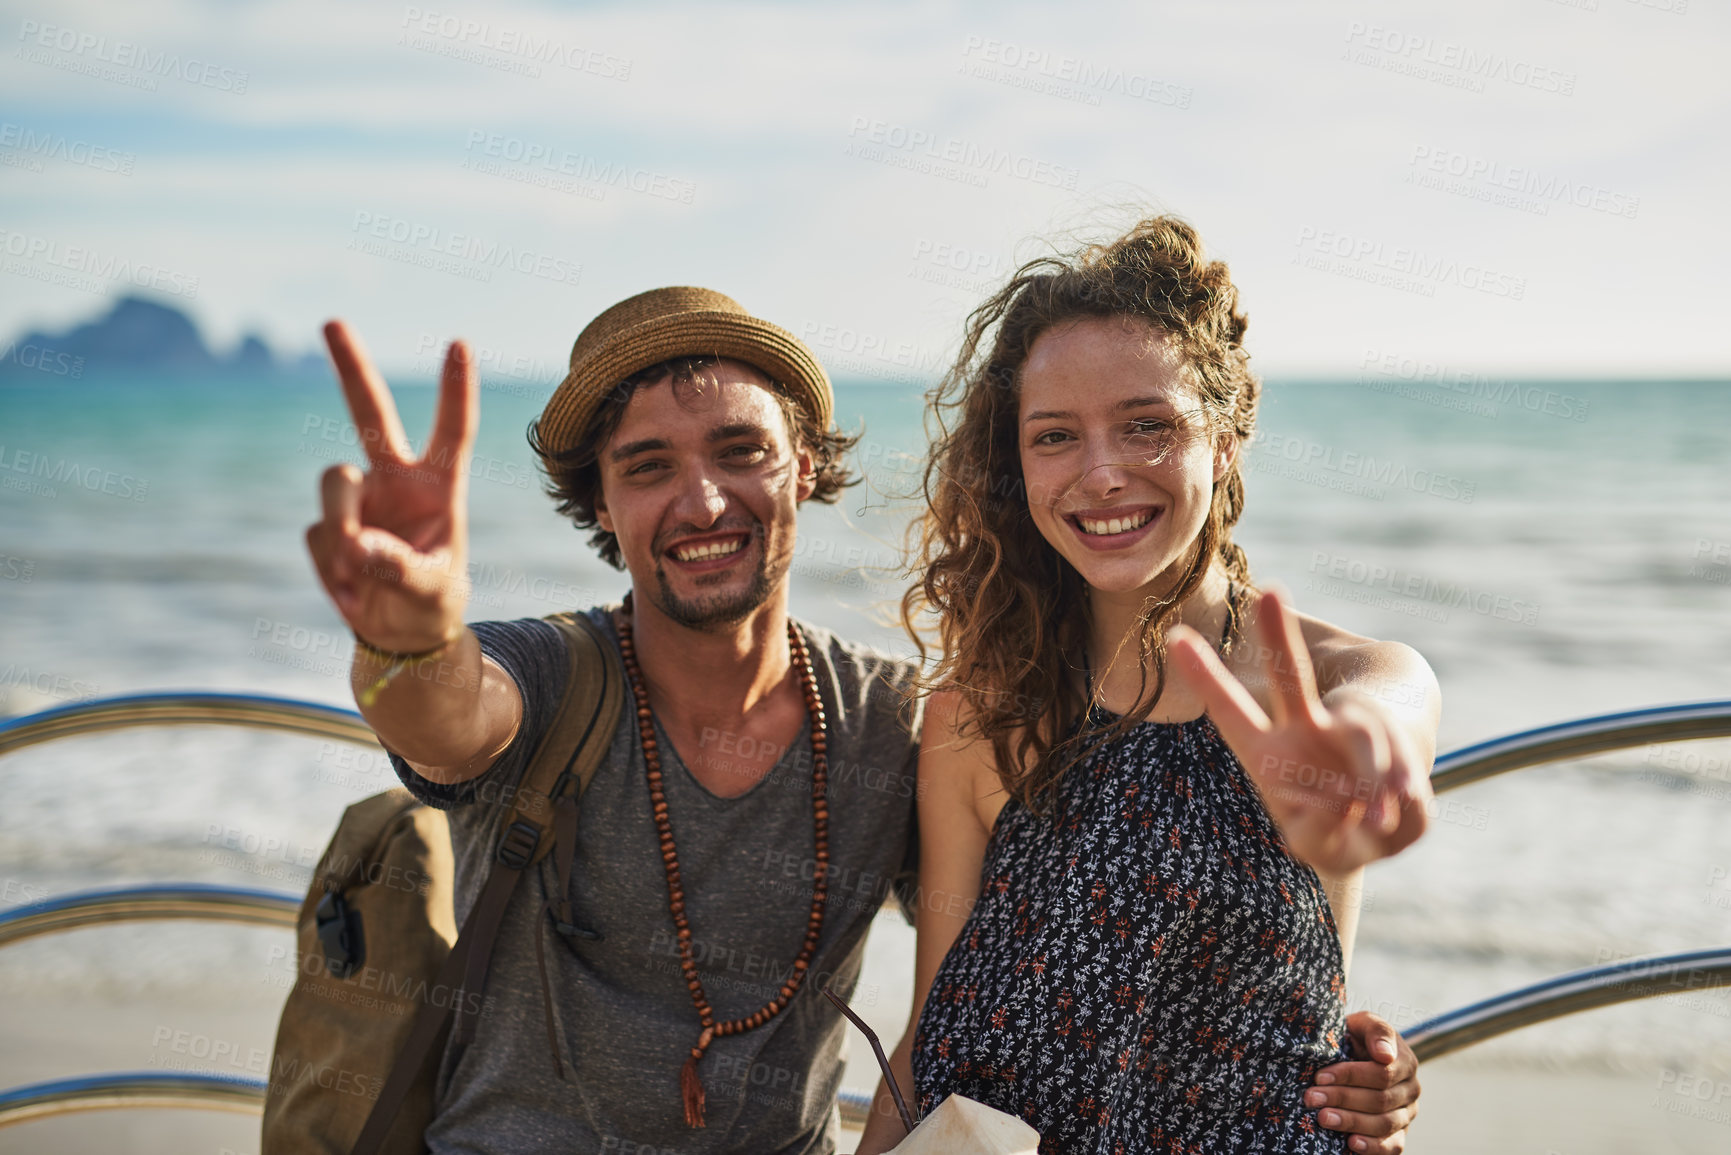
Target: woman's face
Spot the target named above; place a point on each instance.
(1119, 464)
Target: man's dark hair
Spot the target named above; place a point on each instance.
(574, 474)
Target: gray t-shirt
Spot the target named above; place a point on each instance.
(622, 1013)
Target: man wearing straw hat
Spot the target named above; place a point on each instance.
(757, 803)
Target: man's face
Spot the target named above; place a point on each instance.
(701, 483)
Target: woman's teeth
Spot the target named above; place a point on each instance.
(709, 550)
(1115, 524)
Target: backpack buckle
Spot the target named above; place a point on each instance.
(518, 845)
(339, 931)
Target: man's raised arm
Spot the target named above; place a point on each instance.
(392, 552)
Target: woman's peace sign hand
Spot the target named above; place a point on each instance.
(392, 549)
(1343, 780)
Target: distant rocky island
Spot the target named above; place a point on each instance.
(139, 336)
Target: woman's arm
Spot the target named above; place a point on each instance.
(956, 778)
(1392, 684)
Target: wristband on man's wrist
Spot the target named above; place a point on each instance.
(395, 662)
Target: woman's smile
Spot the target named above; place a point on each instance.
(1116, 528)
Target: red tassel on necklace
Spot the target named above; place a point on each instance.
(690, 1086)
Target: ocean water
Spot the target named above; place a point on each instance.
(1554, 549)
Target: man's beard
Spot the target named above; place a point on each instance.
(712, 611)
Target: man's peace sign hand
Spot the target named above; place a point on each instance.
(392, 549)
(1342, 780)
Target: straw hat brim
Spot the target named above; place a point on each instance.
(699, 332)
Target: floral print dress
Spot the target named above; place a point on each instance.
(1147, 969)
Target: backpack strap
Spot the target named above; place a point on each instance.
(560, 769)
(575, 744)
(542, 815)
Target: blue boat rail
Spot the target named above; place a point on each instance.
(145, 903)
(1552, 998)
(192, 708)
(124, 1089)
(1620, 982)
(1581, 738)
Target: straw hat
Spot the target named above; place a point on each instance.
(682, 321)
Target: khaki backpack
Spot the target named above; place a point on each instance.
(381, 968)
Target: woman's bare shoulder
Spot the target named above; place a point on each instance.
(957, 763)
(1338, 655)
(949, 723)
(1392, 672)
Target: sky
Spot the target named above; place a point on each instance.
(1519, 187)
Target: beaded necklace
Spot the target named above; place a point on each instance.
(691, 1087)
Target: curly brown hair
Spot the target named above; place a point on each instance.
(1012, 613)
(574, 474)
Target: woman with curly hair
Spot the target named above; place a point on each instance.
(1147, 790)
